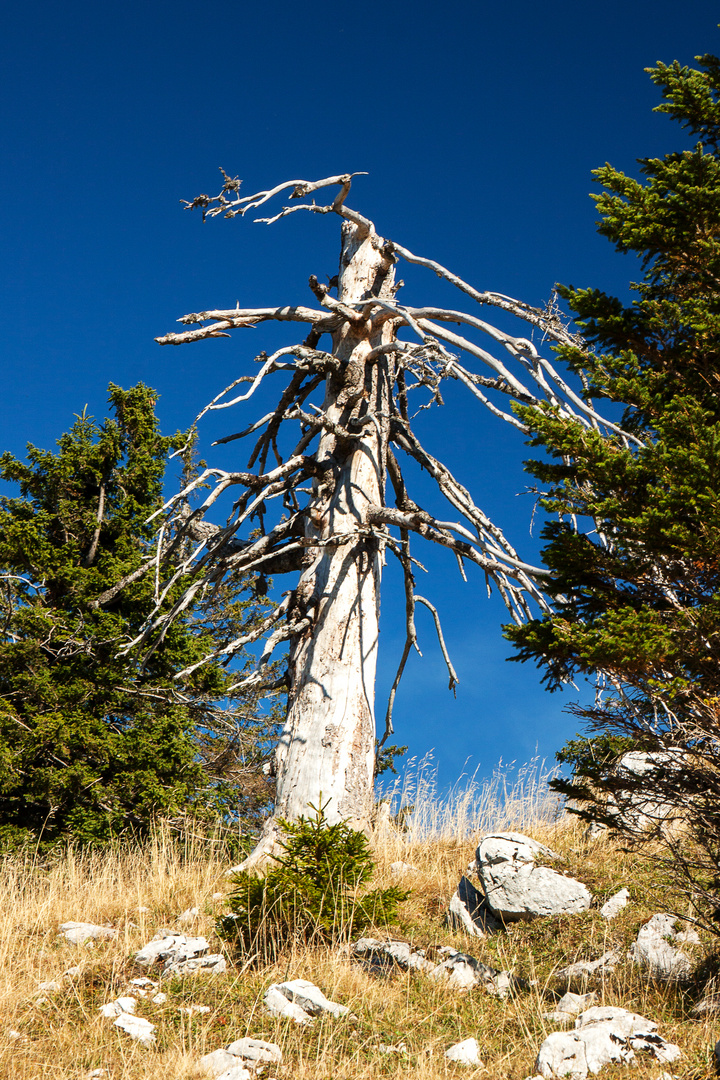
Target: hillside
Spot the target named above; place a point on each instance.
(52, 990)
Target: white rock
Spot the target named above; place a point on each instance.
(80, 932)
(623, 1021)
(159, 999)
(236, 1072)
(653, 952)
(466, 1052)
(195, 1010)
(399, 868)
(309, 997)
(570, 1005)
(604, 1046)
(137, 1028)
(278, 1005)
(212, 964)
(166, 946)
(142, 910)
(50, 987)
(582, 970)
(615, 904)
(393, 1048)
(96, 1074)
(189, 916)
(13, 1034)
(562, 1054)
(217, 1062)
(255, 1050)
(398, 951)
(218, 896)
(73, 972)
(143, 986)
(461, 971)
(469, 911)
(639, 809)
(653, 1043)
(118, 1006)
(516, 888)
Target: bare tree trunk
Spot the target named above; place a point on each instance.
(326, 751)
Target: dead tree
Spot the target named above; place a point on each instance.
(339, 489)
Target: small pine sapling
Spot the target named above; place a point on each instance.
(313, 893)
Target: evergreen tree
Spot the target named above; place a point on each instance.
(93, 744)
(635, 549)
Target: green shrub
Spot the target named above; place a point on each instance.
(313, 893)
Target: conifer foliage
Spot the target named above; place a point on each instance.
(635, 549)
(93, 744)
(313, 893)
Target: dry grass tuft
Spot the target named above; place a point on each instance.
(60, 1033)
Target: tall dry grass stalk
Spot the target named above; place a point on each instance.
(59, 1034)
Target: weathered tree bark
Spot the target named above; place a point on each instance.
(336, 524)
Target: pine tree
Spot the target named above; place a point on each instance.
(92, 744)
(635, 549)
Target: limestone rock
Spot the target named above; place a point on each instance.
(137, 1028)
(570, 1005)
(638, 809)
(255, 1050)
(615, 904)
(462, 972)
(623, 1021)
(654, 952)
(168, 947)
(80, 932)
(212, 964)
(466, 1052)
(390, 952)
(562, 1054)
(400, 868)
(118, 1006)
(469, 911)
(278, 1005)
(516, 888)
(583, 970)
(217, 1062)
(309, 998)
(235, 1072)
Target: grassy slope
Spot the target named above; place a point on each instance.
(63, 1035)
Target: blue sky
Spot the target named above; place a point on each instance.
(479, 126)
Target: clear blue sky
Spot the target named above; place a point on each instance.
(478, 124)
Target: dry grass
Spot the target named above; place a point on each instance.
(63, 1036)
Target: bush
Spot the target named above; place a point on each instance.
(314, 893)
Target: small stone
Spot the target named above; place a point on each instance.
(189, 916)
(217, 1062)
(137, 1028)
(142, 910)
(391, 952)
(256, 1050)
(79, 933)
(466, 1052)
(570, 1006)
(50, 987)
(159, 999)
(562, 1054)
(236, 1072)
(399, 868)
(13, 1034)
(118, 1006)
(583, 970)
(212, 964)
(218, 896)
(195, 1010)
(469, 911)
(615, 904)
(654, 952)
(96, 1074)
(278, 1005)
(390, 1048)
(708, 1006)
(309, 997)
(73, 972)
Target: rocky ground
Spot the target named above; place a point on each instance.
(545, 953)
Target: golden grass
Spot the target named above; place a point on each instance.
(62, 1034)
